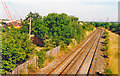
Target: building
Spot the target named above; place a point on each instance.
(119, 11)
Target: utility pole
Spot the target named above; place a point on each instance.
(107, 19)
(30, 28)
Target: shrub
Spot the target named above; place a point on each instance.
(3, 71)
(16, 48)
(106, 53)
(108, 70)
(51, 58)
(63, 45)
(31, 68)
(113, 29)
(22, 70)
(105, 32)
(41, 58)
(106, 41)
(105, 48)
(105, 36)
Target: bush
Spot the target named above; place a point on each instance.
(105, 48)
(105, 35)
(108, 70)
(16, 48)
(51, 58)
(106, 41)
(105, 32)
(22, 70)
(41, 58)
(63, 45)
(57, 27)
(31, 68)
(106, 53)
(113, 29)
(3, 71)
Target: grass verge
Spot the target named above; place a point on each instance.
(113, 52)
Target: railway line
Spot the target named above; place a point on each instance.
(80, 60)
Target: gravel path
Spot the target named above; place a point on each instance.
(99, 62)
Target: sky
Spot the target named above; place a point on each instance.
(85, 10)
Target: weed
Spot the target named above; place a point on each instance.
(51, 58)
(108, 70)
(105, 48)
(22, 70)
(41, 58)
(31, 68)
(106, 53)
(106, 41)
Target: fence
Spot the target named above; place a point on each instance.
(23, 67)
(54, 51)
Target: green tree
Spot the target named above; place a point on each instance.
(15, 48)
(34, 16)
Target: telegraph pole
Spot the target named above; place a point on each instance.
(107, 19)
(30, 28)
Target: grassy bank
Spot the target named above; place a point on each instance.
(113, 52)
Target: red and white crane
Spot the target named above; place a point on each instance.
(9, 15)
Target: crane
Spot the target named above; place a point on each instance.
(15, 25)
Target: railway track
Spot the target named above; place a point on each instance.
(65, 66)
(95, 47)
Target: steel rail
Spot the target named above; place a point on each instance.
(72, 53)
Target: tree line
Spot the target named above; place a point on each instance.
(112, 26)
(56, 28)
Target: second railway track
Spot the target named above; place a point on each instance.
(79, 55)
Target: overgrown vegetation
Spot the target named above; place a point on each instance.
(106, 41)
(106, 48)
(41, 58)
(53, 30)
(112, 26)
(57, 28)
(108, 70)
(31, 68)
(16, 47)
(51, 58)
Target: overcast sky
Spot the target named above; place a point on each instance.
(85, 10)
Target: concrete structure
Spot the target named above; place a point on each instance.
(23, 68)
(53, 52)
